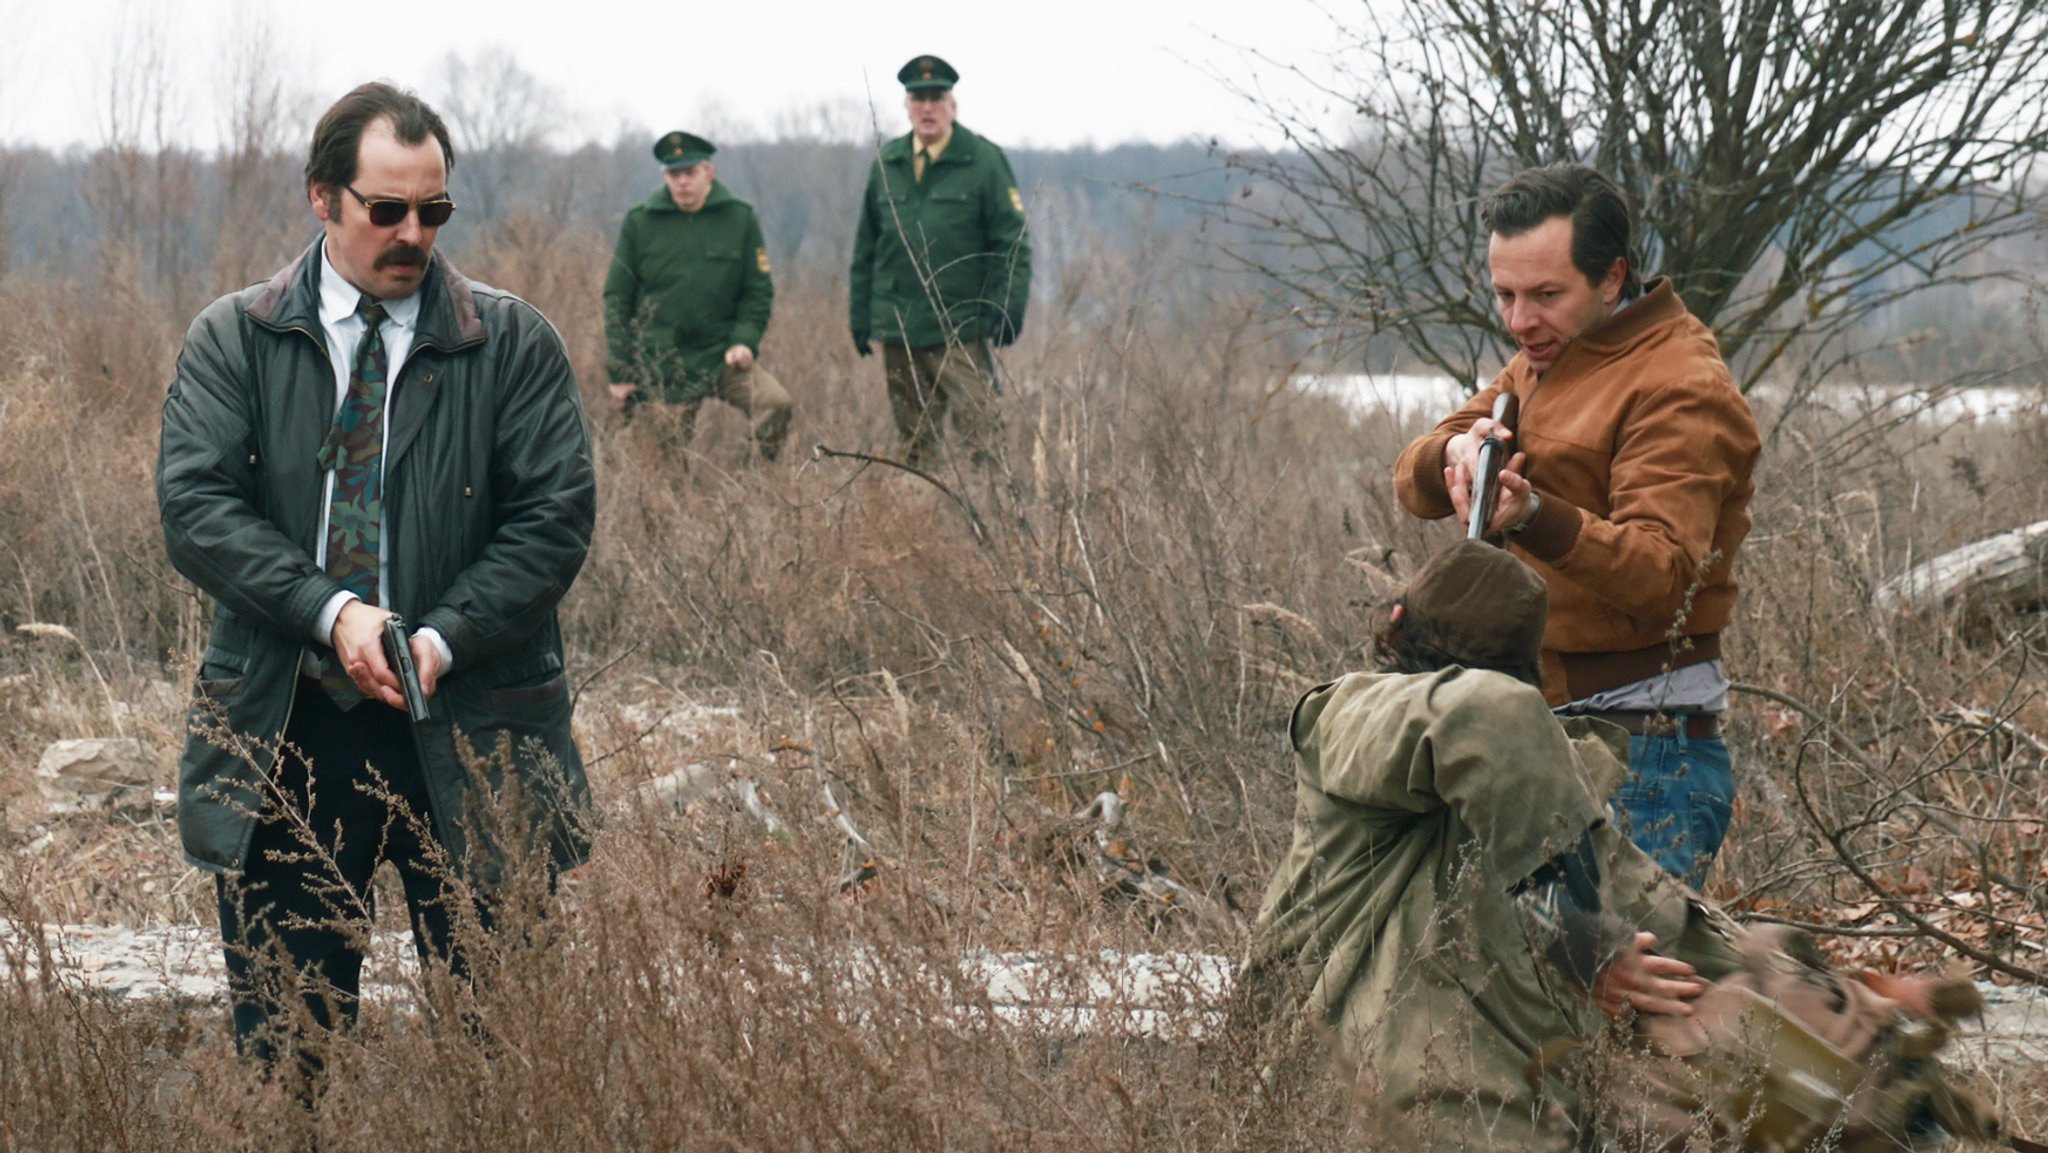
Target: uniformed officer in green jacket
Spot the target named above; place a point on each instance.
(941, 267)
(688, 296)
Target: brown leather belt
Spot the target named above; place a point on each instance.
(1641, 723)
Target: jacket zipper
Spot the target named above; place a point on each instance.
(291, 700)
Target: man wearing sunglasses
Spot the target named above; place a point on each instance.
(687, 298)
(370, 433)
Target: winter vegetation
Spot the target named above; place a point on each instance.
(851, 728)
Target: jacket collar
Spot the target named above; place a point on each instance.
(1658, 305)
(959, 150)
(448, 315)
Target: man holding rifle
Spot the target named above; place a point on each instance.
(370, 433)
(1627, 491)
(1498, 968)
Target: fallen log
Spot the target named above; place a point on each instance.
(1984, 580)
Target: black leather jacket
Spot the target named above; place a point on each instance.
(489, 498)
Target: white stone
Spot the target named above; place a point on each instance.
(86, 775)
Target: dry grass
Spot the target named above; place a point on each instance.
(1177, 547)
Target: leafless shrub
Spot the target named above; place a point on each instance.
(1178, 543)
(1799, 168)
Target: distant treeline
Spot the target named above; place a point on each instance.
(176, 210)
(179, 226)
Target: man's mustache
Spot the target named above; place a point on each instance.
(401, 254)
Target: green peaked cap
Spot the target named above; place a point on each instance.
(681, 150)
(927, 74)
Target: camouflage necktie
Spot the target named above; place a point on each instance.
(354, 452)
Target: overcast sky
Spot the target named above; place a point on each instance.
(1033, 72)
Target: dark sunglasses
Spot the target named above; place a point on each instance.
(386, 213)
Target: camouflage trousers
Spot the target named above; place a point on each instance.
(754, 391)
(926, 384)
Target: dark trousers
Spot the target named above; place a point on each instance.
(296, 920)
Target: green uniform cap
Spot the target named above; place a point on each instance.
(681, 150)
(927, 74)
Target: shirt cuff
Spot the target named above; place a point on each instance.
(440, 646)
(323, 625)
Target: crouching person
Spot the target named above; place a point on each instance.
(1501, 966)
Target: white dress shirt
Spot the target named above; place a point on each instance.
(338, 302)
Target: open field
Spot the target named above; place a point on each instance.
(1178, 545)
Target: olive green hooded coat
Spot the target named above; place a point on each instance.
(1421, 802)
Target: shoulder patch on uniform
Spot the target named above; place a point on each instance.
(761, 258)
(1016, 201)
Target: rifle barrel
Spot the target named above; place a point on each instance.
(1486, 477)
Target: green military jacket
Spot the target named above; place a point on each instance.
(683, 288)
(1421, 802)
(943, 259)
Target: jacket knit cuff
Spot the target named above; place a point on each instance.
(1426, 476)
(1554, 530)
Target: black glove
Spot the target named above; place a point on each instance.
(1561, 902)
(996, 326)
(860, 343)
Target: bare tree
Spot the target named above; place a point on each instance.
(499, 114)
(258, 106)
(1798, 164)
(20, 18)
(133, 98)
(838, 121)
(145, 186)
(9, 169)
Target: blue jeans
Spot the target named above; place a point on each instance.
(1676, 803)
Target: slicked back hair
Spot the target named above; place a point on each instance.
(1603, 230)
(338, 139)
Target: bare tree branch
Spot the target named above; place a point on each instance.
(1797, 164)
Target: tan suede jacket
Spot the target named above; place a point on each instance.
(1641, 449)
